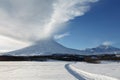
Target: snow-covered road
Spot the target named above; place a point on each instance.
(46, 71)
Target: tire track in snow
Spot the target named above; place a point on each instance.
(72, 72)
(82, 75)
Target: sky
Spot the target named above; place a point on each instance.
(100, 25)
(77, 24)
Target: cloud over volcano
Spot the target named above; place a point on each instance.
(31, 20)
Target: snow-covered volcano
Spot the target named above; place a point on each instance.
(44, 47)
(103, 49)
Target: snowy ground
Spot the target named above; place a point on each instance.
(104, 71)
(58, 71)
(34, 71)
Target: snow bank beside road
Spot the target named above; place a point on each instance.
(97, 71)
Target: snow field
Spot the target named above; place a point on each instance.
(34, 71)
(56, 70)
(109, 71)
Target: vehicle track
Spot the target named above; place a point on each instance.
(83, 75)
(72, 72)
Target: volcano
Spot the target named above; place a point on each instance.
(103, 49)
(44, 47)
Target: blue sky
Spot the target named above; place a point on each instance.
(99, 25)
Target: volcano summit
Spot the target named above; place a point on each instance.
(44, 47)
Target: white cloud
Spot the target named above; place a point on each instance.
(107, 43)
(24, 19)
(59, 36)
(8, 44)
(32, 20)
(63, 11)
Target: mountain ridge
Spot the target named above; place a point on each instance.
(50, 46)
(103, 49)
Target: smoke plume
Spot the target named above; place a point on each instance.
(32, 20)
